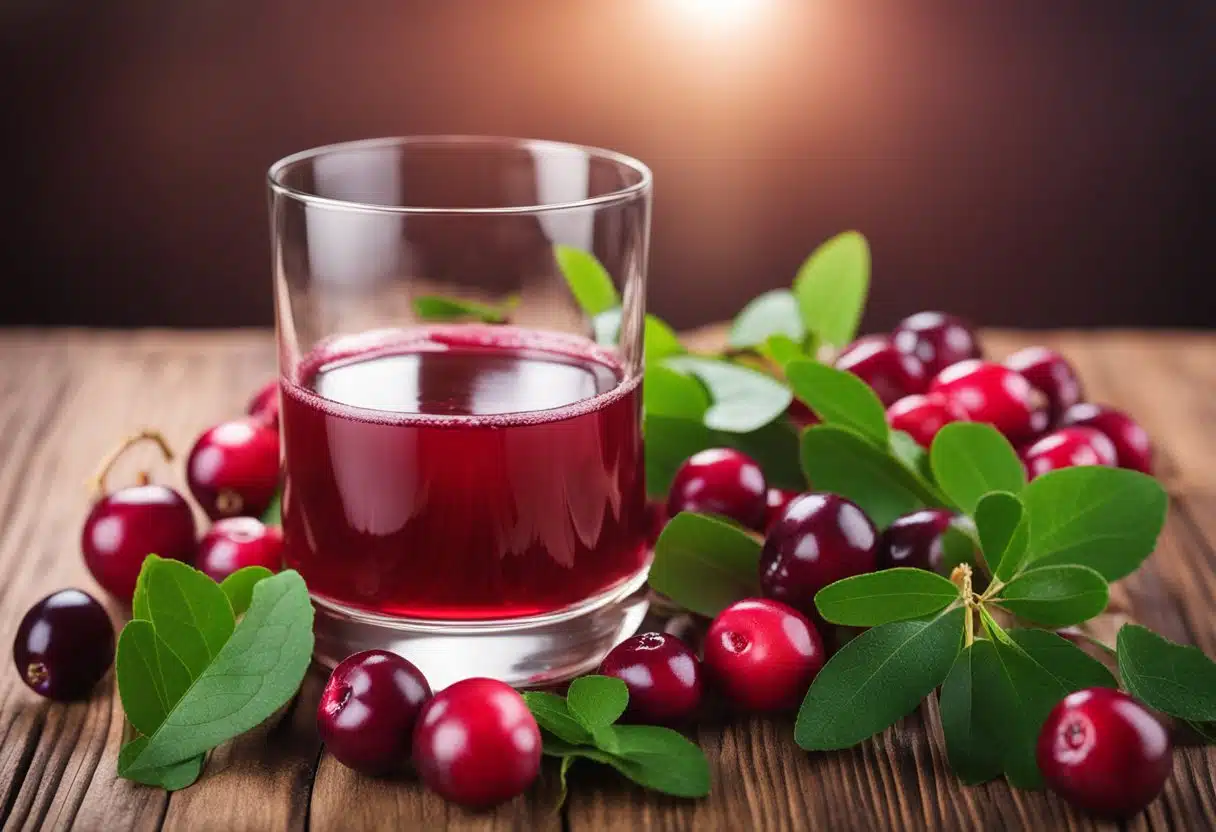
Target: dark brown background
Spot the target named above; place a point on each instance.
(1028, 163)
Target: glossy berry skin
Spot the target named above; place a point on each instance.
(801, 415)
(233, 469)
(890, 373)
(763, 655)
(921, 417)
(915, 540)
(1132, 447)
(720, 481)
(368, 710)
(992, 393)
(236, 542)
(1050, 374)
(1103, 751)
(818, 540)
(64, 645)
(264, 406)
(477, 744)
(122, 528)
(663, 676)
(1067, 448)
(775, 502)
(938, 340)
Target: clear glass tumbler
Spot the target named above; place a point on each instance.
(462, 445)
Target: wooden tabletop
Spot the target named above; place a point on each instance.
(66, 397)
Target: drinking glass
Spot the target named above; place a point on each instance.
(462, 449)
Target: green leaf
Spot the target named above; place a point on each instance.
(889, 595)
(1105, 518)
(255, 673)
(970, 459)
(660, 341)
(660, 759)
(908, 451)
(1071, 666)
(877, 678)
(596, 701)
(831, 288)
(239, 586)
(839, 461)
(151, 678)
(188, 609)
(273, 516)
(171, 777)
(970, 703)
(772, 313)
(839, 398)
(775, 448)
(668, 393)
(1207, 730)
(1056, 596)
(958, 547)
(552, 713)
(438, 308)
(669, 441)
(744, 400)
(1004, 531)
(588, 280)
(1173, 678)
(780, 349)
(705, 564)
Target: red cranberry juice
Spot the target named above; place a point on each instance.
(463, 472)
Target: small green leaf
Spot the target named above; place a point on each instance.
(660, 759)
(239, 586)
(877, 678)
(660, 341)
(744, 400)
(1056, 596)
(1207, 730)
(908, 451)
(1071, 666)
(839, 398)
(1003, 529)
(668, 393)
(1173, 678)
(171, 777)
(970, 459)
(669, 441)
(1105, 518)
(553, 714)
(705, 564)
(958, 547)
(588, 280)
(775, 448)
(881, 597)
(273, 516)
(596, 701)
(439, 308)
(780, 349)
(151, 678)
(189, 611)
(971, 722)
(772, 313)
(831, 288)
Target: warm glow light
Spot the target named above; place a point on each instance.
(717, 12)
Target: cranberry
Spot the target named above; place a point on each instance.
(776, 500)
(763, 655)
(1068, 447)
(992, 393)
(890, 373)
(477, 744)
(662, 674)
(233, 469)
(236, 542)
(64, 645)
(1132, 446)
(915, 540)
(819, 539)
(122, 528)
(1050, 374)
(921, 417)
(720, 481)
(1103, 751)
(801, 415)
(937, 339)
(264, 406)
(368, 710)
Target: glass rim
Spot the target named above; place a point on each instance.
(275, 175)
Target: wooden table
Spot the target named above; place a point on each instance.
(67, 396)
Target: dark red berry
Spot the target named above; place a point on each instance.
(236, 542)
(801, 415)
(776, 500)
(1103, 751)
(995, 394)
(937, 339)
(1066, 448)
(1050, 374)
(720, 481)
(1132, 446)
(477, 744)
(662, 674)
(915, 540)
(762, 655)
(233, 469)
(64, 645)
(819, 539)
(921, 417)
(264, 406)
(890, 373)
(368, 710)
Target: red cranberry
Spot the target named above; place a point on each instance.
(801, 415)
(818, 540)
(776, 500)
(236, 542)
(763, 655)
(368, 710)
(662, 674)
(915, 540)
(720, 481)
(477, 744)
(233, 469)
(992, 393)
(937, 339)
(1131, 442)
(1068, 447)
(921, 417)
(64, 645)
(1104, 752)
(1050, 374)
(122, 528)
(264, 406)
(890, 373)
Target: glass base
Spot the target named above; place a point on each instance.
(532, 652)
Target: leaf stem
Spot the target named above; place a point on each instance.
(961, 577)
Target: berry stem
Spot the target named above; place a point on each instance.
(961, 577)
(98, 483)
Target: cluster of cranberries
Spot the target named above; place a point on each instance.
(65, 643)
